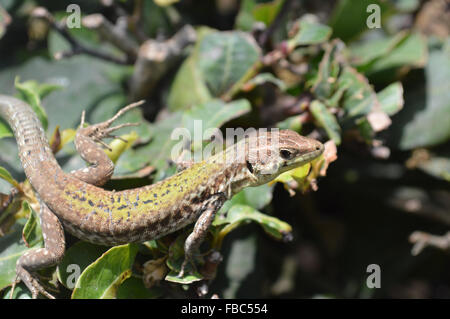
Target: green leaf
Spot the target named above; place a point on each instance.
(244, 18)
(5, 130)
(327, 120)
(101, 279)
(5, 20)
(133, 288)
(266, 12)
(264, 78)
(218, 61)
(224, 58)
(244, 213)
(188, 278)
(359, 97)
(437, 166)
(20, 292)
(299, 174)
(32, 92)
(391, 98)
(214, 113)
(241, 264)
(175, 261)
(410, 51)
(309, 33)
(407, 5)
(293, 123)
(57, 43)
(91, 76)
(365, 52)
(365, 129)
(32, 232)
(349, 18)
(11, 248)
(251, 12)
(188, 88)
(256, 197)
(425, 121)
(79, 256)
(324, 84)
(5, 175)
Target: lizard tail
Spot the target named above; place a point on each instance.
(34, 150)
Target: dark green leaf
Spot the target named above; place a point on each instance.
(327, 120)
(391, 98)
(309, 33)
(188, 88)
(5, 131)
(32, 232)
(349, 18)
(76, 259)
(265, 78)
(101, 279)
(29, 92)
(243, 213)
(425, 121)
(359, 97)
(224, 58)
(133, 288)
(410, 51)
(11, 248)
(5, 175)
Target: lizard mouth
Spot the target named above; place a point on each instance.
(316, 153)
(307, 157)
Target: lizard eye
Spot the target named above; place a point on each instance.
(250, 167)
(285, 154)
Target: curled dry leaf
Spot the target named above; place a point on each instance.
(379, 120)
(422, 240)
(381, 152)
(329, 155)
(154, 271)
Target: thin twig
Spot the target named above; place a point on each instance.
(275, 24)
(135, 21)
(422, 240)
(155, 59)
(115, 34)
(76, 47)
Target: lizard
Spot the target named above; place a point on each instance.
(76, 202)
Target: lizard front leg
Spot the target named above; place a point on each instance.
(201, 228)
(50, 255)
(87, 138)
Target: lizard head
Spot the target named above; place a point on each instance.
(268, 154)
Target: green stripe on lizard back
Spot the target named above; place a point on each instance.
(144, 213)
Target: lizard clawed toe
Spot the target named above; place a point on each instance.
(187, 260)
(103, 130)
(32, 283)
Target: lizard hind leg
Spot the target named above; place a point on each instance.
(40, 258)
(195, 239)
(101, 167)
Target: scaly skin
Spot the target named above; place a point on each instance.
(75, 202)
